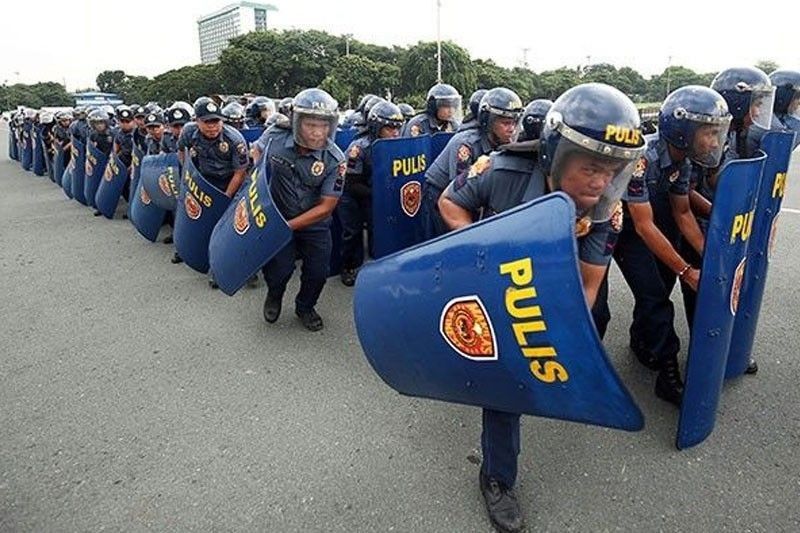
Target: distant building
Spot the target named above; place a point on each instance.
(216, 29)
(90, 98)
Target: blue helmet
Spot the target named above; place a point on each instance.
(749, 94)
(475, 102)
(442, 95)
(317, 105)
(787, 92)
(598, 121)
(363, 102)
(233, 113)
(533, 119)
(259, 106)
(695, 120)
(382, 114)
(498, 102)
(407, 111)
(285, 107)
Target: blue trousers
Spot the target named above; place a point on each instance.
(355, 213)
(500, 444)
(313, 247)
(433, 224)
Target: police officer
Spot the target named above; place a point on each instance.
(498, 114)
(260, 110)
(786, 110)
(308, 174)
(407, 111)
(154, 123)
(233, 114)
(285, 107)
(218, 151)
(61, 133)
(360, 121)
(358, 118)
(277, 124)
(576, 157)
(177, 118)
(140, 133)
(100, 135)
(534, 115)
(79, 128)
(442, 112)
(692, 127)
(471, 120)
(355, 206)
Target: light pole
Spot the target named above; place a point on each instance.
(347, 37)
(669, 64)
(439, 41)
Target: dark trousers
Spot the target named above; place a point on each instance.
(313, 247)
(433, 224)
(500, 444)
(355, 213)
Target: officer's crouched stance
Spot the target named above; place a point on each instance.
(307, 179)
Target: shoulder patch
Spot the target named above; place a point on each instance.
(616, 218)
(641, 167)
(480, 166)
(415, 130)
(464, 153)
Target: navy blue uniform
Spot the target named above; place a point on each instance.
(124, 146)
(462, 150)
(216, 159)
(169, 144)
(492, 185)
(79, 130)
(140, 139)
(102, 140)
(424, 123)
(355, 205)
(655, 179)
(153, 145)
(298, 183)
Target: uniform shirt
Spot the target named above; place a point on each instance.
(153, 145)
(359, 167)
(61, 134)
(424, 123)
(462, 150)
(470, 123)
(298, 182)
(511, 179)
(102, 140)
(656, 175)
(124, 142)
(169, 144)
(787, 123)
(140, 139)
(279, 127)
(219, 158)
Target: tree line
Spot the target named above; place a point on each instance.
(282, 63)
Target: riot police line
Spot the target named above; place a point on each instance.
(491, 237)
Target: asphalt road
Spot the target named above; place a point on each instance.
(135, 398)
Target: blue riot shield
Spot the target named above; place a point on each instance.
(146, 216)
(135, 172)
(343, 138)
(96, 162)
(721, 276)
(249, 234)
(200, 206)
(49, 161)
(79, 171)
(778, 147)
(13, 150)
(110, 188)
(27, 147)
(39, 168)
(160, 176)
(438, 142)
(493, 315)
(251, 135)
(66, 179)
(59, 163)
(398, 171)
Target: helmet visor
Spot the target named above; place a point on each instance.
(313, 130)
(761, 102)
(794, 106)
(449, 108)
(593, 174)
(708, 143)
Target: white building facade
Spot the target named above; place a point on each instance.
(217, 29)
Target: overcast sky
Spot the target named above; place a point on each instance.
(72, 42)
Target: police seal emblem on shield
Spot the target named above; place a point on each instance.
(143, 196)
(163, 184)
(466, 327)
(736, 287)
(241, 220)
(192, 206)
(411, 198)
(317, 168)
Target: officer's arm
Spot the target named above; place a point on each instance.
(656, 242)
(236, 182)
(592, 276)
(455, 216)
(699, 204)
(319, 212)
(682, 213)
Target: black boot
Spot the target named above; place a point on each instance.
(348, 276)
(272, 308)
(646, 357)
(311, 320)
(168, 239)
(212, 282)
(176, 259)
(669, 386)
(752, 368)
(501, 505)
(97, 213)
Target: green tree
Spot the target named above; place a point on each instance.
(111, 81)
(418, 69)
(354, 75)
(552, 83)
(767, 65)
